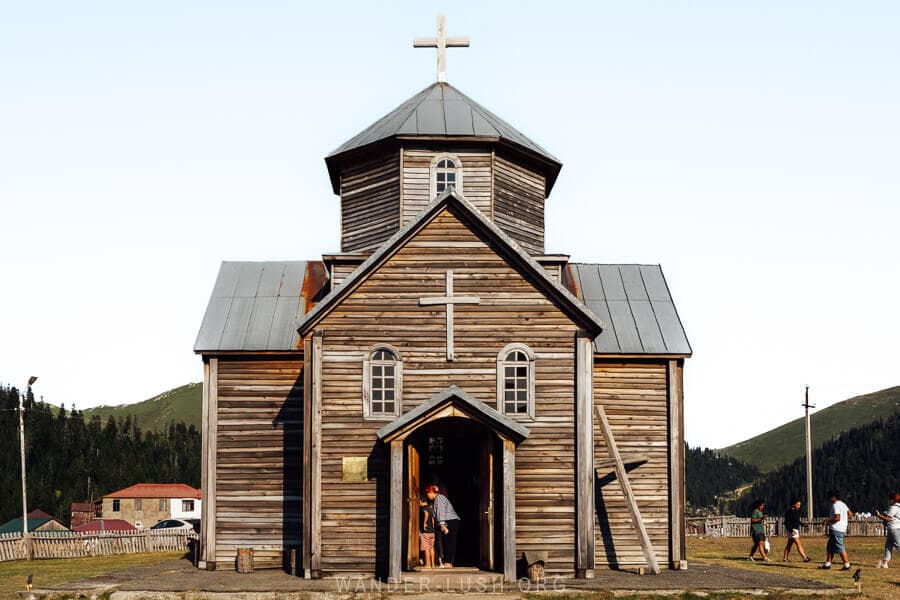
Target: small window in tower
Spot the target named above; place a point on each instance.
(445, 174)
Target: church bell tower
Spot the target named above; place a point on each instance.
(437, 139)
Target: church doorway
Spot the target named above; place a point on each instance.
(461, 457)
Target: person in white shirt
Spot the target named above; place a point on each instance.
(892, 528)
(838, 519)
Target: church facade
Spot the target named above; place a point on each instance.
(441, 344)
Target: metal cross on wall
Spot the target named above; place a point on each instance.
(441, 42)
(449, 299)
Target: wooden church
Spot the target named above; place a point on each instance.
(442, 343)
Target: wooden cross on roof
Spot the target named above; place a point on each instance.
(441, 42)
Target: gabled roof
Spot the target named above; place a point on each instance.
(457, 396)
(156, 490)
(441, 110)
(255, 305)
(569, 304)
(106, 525)
(15, 525)
(635, 303)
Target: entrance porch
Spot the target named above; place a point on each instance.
(478, 444)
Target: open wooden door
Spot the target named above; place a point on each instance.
(413, 490)
(486, 503)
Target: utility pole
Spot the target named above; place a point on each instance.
(809, 487)
(25, 539)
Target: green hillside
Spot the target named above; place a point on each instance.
(179, 404)
(784, 444)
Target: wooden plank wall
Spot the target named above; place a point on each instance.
(259, 458)
(385, 309)
(370, 202)
(634, 394)
(476, 179)
(519, 203)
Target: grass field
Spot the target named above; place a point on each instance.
(864, 553)
(178, 404)
(13, 574)
(784, 444)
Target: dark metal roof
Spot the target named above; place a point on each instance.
(256, 305)
(441, 110)
(635, 304)
(457, 395)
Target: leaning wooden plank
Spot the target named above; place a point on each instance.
(622, 476)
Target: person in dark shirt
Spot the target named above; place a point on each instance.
(426, 532)
(792, 530)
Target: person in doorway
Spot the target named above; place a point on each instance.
(838, 519)
(758, 530)
(426, 533)
(448, 522)
(891, 528)
(792, 527)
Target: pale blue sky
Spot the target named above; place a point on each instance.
(751, 148)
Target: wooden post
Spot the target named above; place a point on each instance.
(306, 550)
(312, 456)
(630, 500)
(584, 450)
(210, 431)
(509, 510)
(677, 556)
(395, 541)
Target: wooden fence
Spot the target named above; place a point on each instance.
(71, 544)
(740, 527)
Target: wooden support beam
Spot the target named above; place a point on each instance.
(584, 453)
(306, 507)
(509, 510)
(312, 455)
(395, 535)
(677, 555)
(210, 443)
(630, 500)
(204, 458)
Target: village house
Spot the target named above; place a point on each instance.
(442, 343)
(38, 520)
(83, 512)
(145, 504)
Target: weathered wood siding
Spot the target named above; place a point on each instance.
(519, 203)
(259, 454)
(385, 309)
(634, 394)
(370, 202)
(476, 179)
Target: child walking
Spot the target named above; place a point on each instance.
(426, 533)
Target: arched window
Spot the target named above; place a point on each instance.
(382, 383)
(515, 380)
(445, 174)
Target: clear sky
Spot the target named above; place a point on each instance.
(751, 148)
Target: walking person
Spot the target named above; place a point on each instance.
(838, 519)
(448, 522)
(758, 530)
(792, 527)
(891, 528)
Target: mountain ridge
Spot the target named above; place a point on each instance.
(785, 443)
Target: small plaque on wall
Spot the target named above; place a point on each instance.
(356, 468)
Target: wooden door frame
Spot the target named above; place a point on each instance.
(397, 523)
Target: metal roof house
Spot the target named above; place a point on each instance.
(440, 343)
